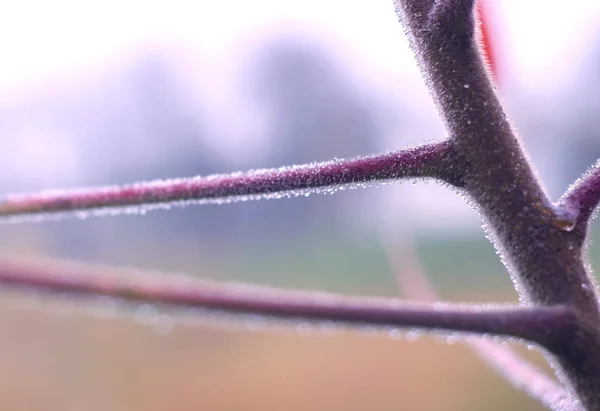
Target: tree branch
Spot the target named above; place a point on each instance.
(540, 248)
(498, 176)
(530, 323)
(430, 160)
(541, 243)
(580, 200)
(516, 370)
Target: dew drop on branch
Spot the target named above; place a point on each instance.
(395, 334)
(304, 329)
(145, 314)
(162, 324)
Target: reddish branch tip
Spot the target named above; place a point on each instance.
(488, 45)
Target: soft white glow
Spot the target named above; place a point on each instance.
(40, 39)
(54, 42)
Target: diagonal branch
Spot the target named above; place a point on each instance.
(583, 196)
(517, 371)
(536, 239)
(530, 323)
(430, 160)
(500, 180)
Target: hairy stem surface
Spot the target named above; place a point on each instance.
(430, 160)
(529, 323)
(537, 240)
(517, 371)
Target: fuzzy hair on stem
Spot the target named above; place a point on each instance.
(542, 243)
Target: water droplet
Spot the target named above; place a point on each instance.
(452, 339)
(369, 331)
(395, 334)
(145, 314)
(105, 307)
(413, 335)
(328, 327)
(466, 85)
(255, 323)
(564, 217)
(163, 324)
(304, 329)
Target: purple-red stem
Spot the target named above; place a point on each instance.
(542, 244)
(519, 372)
(583, 196)
(428, 160)
(530, 323)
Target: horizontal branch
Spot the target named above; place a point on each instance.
(429, 160)
(583, 196)
(515, 369)
(529, 323)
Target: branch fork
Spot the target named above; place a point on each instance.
(542, 242)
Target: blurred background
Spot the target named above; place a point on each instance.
(120, 91)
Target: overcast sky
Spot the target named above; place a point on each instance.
(49, 42)
(42, 39)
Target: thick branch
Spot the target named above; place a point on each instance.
(533, 324)
(516, 370)
(528, 230)
(537, 241)
(582, 197)
(431, 160)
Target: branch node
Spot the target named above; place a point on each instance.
(563, 216)
(583, 196)
(434, 160)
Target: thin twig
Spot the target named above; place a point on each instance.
(531, 324)
(430, 160)
(583, 196)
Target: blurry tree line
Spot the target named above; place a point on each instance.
(143, 122)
